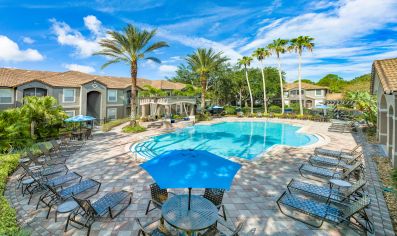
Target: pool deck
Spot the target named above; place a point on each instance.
(253, 195)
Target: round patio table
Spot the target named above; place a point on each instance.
(202, 213)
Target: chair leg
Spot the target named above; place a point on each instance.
(147, 208)
(224, 212)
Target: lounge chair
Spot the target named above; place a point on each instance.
(331, 161)
(213, 230)
(336, 153)
(240, 114)
(56, 148)
(328, 173)
(157, 124)
(216, 197)
(150, 230)
(51, 157)
(353, 212)
(54, 196)
(88, 212)
(325, 191)
(159, 196)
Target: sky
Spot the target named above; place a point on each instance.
(62, 35)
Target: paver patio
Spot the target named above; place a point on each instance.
(253, 196)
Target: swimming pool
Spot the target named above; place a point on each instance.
(238, 139)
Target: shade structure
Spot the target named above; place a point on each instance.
(191, 169)
(217, 107)
(322, 107)
(79, 118)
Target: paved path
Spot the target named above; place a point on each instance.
(255, 189)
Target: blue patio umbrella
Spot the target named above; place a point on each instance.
(79, 118)
(217, 107)
(324, 107)
(191, 169)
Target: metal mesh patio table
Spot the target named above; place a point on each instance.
(202, 213)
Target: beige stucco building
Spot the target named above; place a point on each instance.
(384, 86)
(104, 97)
(312, 95)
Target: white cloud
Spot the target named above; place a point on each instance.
(81, 68)
(84, 46)
(28, 40)
(167, 70)
(10, 51)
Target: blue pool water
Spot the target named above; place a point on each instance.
(239, 139)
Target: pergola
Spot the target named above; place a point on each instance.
(160, 106)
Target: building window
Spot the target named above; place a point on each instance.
(6, 96)
(38, 92)
(319, 92)
(112, 95)
(69, 95)
(112, 113)
(70, 113)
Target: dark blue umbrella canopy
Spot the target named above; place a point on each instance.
(191, 169)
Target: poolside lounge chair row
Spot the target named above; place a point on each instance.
(316, 203)
(342, 126)
(52, 179)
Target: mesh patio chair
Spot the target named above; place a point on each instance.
(88, 212)
(336, 153)
(216, 197)
(56, 148)
(352, 213)
(159, 196)
(54, 196)
(326, 192)
(150, 230)
(336, 162)
(329, 173)
(214, 230)
(50, 158)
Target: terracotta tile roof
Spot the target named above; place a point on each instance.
(387, 72)
(334, 96)
(306, 86)
(17, 77)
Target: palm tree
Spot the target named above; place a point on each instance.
(298, 45)
(203, 62)
(130, 46)
(246, 61)
(261, 54)
(278, 47)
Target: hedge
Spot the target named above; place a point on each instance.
(111, 124)
(8, 221)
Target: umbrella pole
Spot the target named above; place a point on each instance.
(190, 194)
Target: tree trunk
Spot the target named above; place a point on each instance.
(240, 98)
(134, 73)
(203, 79)
(264, 88)
(249, 89)
(32, 128)
(300, 83)
(281, 85)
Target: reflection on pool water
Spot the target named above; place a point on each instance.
(239, 139)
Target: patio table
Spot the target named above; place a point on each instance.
(202, 213)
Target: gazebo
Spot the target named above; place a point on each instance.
(159, 106)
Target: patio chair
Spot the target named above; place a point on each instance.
(240, 114)
(326, 192)
(56, 148)
(88, 212)
(53, 196)
(50, 157)
(259, 115)
(157, 124)
(159, 196)
(213, 230)
(216, 196)
(150, 230)
(329, 173)
(336, 153)
(331, 161)
(351, 213)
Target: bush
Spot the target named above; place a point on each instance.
(203, 117)
(274, 109)
(111, 124)
(133, 129)
(230, 110)
(8, 221)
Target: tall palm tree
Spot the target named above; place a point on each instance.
(246, 62)
(298, 45)
(203, 62)
(278, 47)
(129, 47)
(260, 54)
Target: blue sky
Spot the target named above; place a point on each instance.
(58, 36)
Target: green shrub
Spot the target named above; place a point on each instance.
(230, 110)
(111, 124)
(203, 117)
(177, 117)
(274, 109)
(8, 222)
(133, 129)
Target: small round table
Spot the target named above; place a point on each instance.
(66, 207)
(340, 183)
(202, 213)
